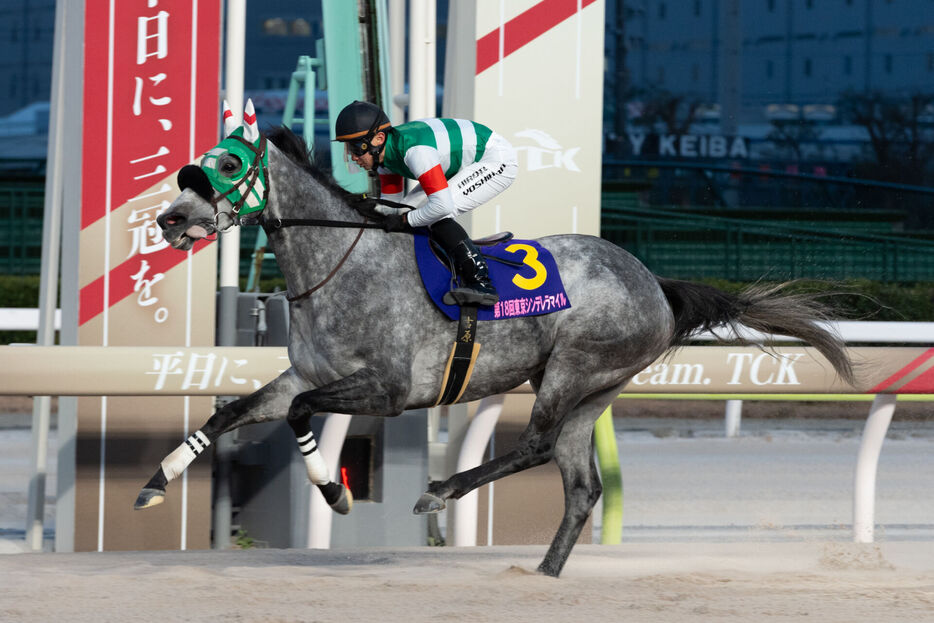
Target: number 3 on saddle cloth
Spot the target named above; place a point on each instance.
(526, 277)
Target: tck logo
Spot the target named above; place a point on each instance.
(547, 153)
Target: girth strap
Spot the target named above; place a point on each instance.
(462, 358)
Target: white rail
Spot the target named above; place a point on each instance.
(701, 370)
(24, 319)
(853, 332)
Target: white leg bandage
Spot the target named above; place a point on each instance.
(314, 462)
(180, 458)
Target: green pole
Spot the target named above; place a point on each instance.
(344, 71)
(608, 460)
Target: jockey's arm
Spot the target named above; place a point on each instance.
(391, 185)
(425, 163)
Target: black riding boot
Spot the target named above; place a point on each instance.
(469, 266)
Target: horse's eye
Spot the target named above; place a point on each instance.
(230, 165)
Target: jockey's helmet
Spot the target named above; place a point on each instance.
(357, 124)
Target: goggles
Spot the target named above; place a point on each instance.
(357, 148)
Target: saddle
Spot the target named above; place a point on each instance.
(528, 282)
(489, 241)
(525, 274)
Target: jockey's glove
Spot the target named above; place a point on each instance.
(366, 206)
(395, 222)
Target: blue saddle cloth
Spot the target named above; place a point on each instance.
(526, 278)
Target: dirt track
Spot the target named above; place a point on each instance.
(639, 582)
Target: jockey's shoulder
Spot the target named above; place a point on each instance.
(421, 123)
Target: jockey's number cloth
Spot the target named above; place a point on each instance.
(527, 279)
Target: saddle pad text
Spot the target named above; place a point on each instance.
(532, 289)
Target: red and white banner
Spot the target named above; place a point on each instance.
(150, 105)
(536, 77)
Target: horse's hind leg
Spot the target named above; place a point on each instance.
(270, 402)
(514, 461)
(575, 458)
(535, 447)
(557, 429)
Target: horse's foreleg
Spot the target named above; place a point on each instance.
(270, 402)
(361, 393)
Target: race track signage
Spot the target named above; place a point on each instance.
(147, 105)
(533, 72)
(687, 146)
(717, 370)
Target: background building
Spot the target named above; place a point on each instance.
(801, 52)
(792, 53)
(811, 89)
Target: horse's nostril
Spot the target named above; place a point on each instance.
(172, 220)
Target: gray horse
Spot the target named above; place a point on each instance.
(370, 342)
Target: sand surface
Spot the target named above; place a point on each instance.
(748, 529)
(809, 581)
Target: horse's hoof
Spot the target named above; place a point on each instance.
(344, 503)
(548, 571)
(428, 503)
(149, 497)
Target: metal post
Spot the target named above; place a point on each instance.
(397, 59)
(72, 37)
(229, 269)
(733, 417)
(464, 520)
(611, 477)
(867, 463)
(621, 72)
(344, 71)
(48, 283)
(730, 79)
(308, 111)
(731, 51)
(386, 81)
(320, 515)
(422, 29)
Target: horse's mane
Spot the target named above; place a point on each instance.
(295, 149)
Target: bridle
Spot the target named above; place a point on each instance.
(250, 178)
(268, 225)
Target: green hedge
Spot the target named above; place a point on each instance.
(19, 291)
(852, 300)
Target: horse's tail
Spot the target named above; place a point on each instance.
(698, 307)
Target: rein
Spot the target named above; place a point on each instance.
(280, 223)
(250, 179)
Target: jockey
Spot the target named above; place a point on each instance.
(459, 165)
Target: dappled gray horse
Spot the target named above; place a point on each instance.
(370, 342)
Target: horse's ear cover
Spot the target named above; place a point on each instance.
(230, 124)
(250, 127)
(193, 177)
(246, 189)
